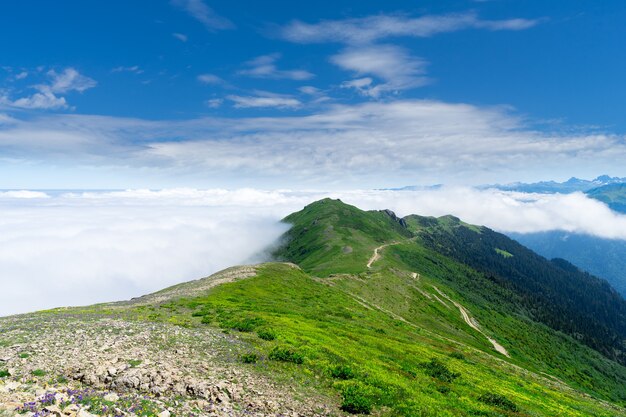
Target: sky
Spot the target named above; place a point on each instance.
(145, 143)
(333, 95)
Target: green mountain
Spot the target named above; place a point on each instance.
(364, 313)
(613, 195)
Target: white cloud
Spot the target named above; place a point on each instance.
(21, 75)
(103, 246)
(375, 144)
(204, 14)
(394, 65)
(81, 250)
(47, 96)
(66, 81)
(180, 36)
(265, 67)
(23, 194)
(214, 102)
(43, 100)
(265, 100)
(134, 69)
(209, 79)
(374, 28)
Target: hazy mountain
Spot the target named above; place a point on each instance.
(550, 187)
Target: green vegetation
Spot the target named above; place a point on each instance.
(134, 363)
(498, 400)
(39, 372)
(266, 334)
(286, 354)
(4, 373)
(249, 358)
(504, 253)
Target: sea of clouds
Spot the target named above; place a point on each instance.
(79, 248)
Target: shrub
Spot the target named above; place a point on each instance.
(457, 355)
(206, 320)
(246, 324)
(498, 400)
(356, 399)
(342, 372)
(4, 373)
(24, 355)
(249, 358)
(439, 370)
(266, 334)
(284, 354)
(39, 372)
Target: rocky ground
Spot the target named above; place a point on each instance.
(79, 366)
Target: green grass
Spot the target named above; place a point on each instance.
(503, 253)
(405, 370)
(39, 372)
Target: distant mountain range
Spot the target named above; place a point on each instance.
(550, 187)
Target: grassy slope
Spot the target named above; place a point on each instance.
(329, 327)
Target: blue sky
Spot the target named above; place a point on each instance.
(200, 93)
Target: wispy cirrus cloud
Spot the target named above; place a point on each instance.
(48, 94)
(265, 67)
(204, 14)
(134, 69)
(180, 36)
(265, 99)
(375, 28)
(210, 79)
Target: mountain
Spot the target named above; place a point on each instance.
(613, 195)
(364, 312)
(551, 187)
(601, 257)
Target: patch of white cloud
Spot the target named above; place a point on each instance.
(264, 99)
(199, 10)
(265, 67)
(394, 65)
(103, 246)
(374, 28)
(210, 79)
(214, 103)
(49, 94)
(22, 194)
(132, 69)
(180, 36)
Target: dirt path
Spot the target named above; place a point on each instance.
(474, 324)
(376, 256)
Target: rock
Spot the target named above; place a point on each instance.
(85, 413)
(112, 371)
(54, 409)
(164, 413)
(113, 397)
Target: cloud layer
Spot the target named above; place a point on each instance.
(373, 144)
(86, 247)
